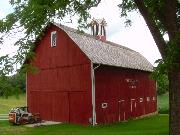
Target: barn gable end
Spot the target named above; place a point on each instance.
(63, 79)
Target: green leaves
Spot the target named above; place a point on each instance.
(6, 65)
(12, 85)
(127, 6)
(162, 84)
(7, 23)
(160, 74)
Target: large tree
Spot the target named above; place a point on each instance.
(161, 16)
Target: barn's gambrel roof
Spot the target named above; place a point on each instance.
(107, 53)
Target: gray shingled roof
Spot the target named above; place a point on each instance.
(107, 53)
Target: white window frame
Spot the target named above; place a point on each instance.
(53, 43)
(132, 104)
(104, 105)
(148, 99)
(140, 100)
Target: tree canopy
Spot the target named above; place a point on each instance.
(12, 85)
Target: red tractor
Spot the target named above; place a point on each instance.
(20, 115)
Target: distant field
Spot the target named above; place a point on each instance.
(163, 103)
(12, 101)
(155, 125)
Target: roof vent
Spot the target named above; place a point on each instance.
(98, 28)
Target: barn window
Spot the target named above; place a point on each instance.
(154, 99)
(53, 38)
(141, 100)
(148, 98)
(104, 105)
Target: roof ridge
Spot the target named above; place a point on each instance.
(107, 53)
(91, 36)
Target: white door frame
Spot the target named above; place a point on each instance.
(124, 114)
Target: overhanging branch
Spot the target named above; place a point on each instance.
(167, 16)
(158, 38)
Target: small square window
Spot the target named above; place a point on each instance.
(104, 105)
(140, 99)
(53, 38)
(148, 98)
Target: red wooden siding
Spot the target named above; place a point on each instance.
(123, 101)
(61, 90)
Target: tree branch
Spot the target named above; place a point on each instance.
(170, 17)
(152, 27)
(167, 16)
(94, 4)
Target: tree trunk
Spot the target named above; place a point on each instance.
(169, 21)
(174, 101)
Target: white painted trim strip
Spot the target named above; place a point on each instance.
(131, 104)
(93, 96)
(121, 101)
(26, 91)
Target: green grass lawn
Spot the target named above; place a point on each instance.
(12, 101)
(155, 125)
(163, 103)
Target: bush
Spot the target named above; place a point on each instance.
(163, 111)
(163, 103)
(162, 84)
(12, 85)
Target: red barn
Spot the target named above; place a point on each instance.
(84, 79)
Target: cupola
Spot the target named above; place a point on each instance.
(98, 28)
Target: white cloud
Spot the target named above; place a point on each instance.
(2, 14)
(5, 7)
(136, 37)
(7, 47)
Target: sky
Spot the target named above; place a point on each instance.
(136, 37)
